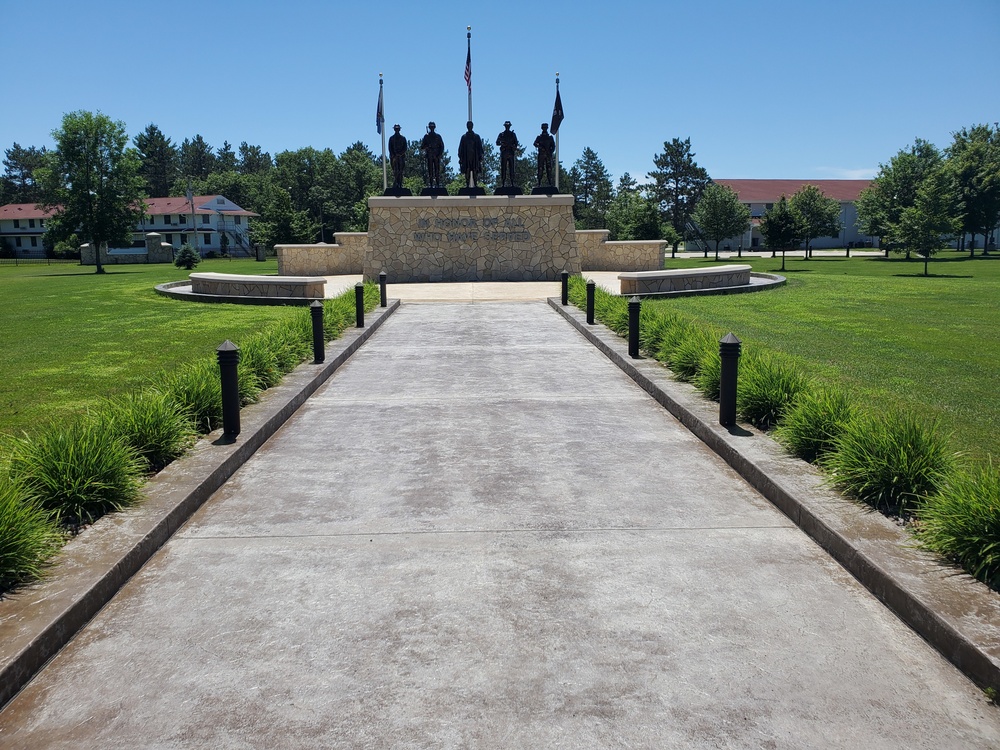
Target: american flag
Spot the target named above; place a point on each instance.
(468, 67)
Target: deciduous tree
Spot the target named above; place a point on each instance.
(92, 180)
(779, 226)
(974, 159)
(720, 215)
(932, 221)
(818, 215)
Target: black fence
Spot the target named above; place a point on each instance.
(38, 261)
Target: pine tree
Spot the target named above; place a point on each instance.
(159, 159)
(678, 183)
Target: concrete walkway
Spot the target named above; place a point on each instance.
(480, 533)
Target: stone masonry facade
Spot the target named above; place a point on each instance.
(462, 238)
(597, 253)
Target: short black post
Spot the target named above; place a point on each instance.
(729, 353)
(381, 290)
(565, 287)
(319, 345)
(229, 359)
(634, 304)
(359, 304)
(590, 302)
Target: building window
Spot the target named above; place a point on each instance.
(181, 218)
(17, 241)
(205, 218)
(184, 239)
(41, 223)
(208, 239)
(31, 223)
(169, 238)
(17, 223)
(236, 219)
(768, 206)
(166, 219)
(34, 242)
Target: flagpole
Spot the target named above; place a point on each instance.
(468, 66)
(385, 173)
(557, 135)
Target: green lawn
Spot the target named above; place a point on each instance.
(70, 337)
(883, 330)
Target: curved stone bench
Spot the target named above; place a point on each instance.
(683, 279)
(235, 285)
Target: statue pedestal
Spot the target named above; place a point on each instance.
(481, 238)
(397, 192)
(508, 190)
(545, 190)
(477, 190)
(433, 192)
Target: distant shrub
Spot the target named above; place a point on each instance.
(79, 472)
(961, 521)
(889, 460)
(29, 537)
(187, 257)
(211, 255)
(153, 423)
(766, 387)
(812, 423)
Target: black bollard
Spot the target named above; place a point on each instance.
(229, 359)
(729, 353)
(359, 304)
(590, 302)
(565, 288)
(633, 327)
(319, 345)
(383, 301)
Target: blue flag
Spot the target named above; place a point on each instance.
(379, 114)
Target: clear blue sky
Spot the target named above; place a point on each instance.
(787, 88)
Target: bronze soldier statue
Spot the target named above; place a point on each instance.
(433, 147)
(546, 146)
(470, 156)
(507, 141)
(397, 156)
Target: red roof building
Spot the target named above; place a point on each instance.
(215, 216)
(760, 195)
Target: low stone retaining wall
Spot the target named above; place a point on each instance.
(598, 253)
(345, 257)
(683, 279)
(233, 285)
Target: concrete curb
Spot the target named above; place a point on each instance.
(953, 612)
(36, 623)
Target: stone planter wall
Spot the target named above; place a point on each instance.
(346, 257)
(598, 253)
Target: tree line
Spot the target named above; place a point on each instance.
(920, 200)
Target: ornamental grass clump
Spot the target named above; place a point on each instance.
(153, 423)
(691, 350)
(813, 422)
(767, 385)
(889, 460)
(709, 374)
(29, 536)
(198, 390)
(961, 521)
(78, 471)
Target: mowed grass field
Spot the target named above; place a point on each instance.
(71, 337)
(885, 332)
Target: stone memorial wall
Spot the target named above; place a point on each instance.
(461, 238)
